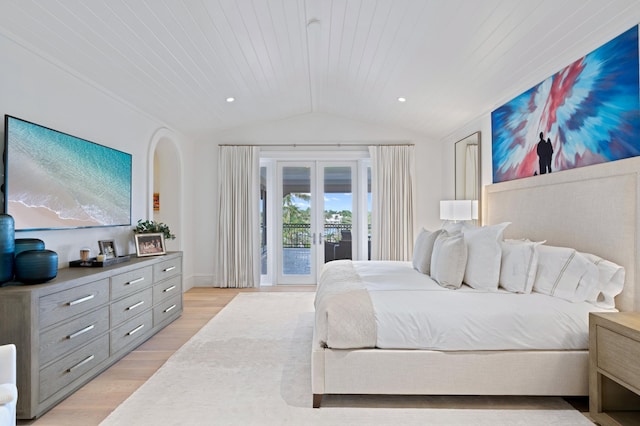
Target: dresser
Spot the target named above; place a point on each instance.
(614, 368)
(72, 328)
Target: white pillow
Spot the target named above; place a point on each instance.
(448, 260)
(610, 282)
(519, 265)
(565, 273)
(423, 249)
(483, 255)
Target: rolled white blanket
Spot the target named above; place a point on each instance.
(344, 312)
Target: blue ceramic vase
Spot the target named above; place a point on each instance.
(24, 244)
(36, 266)
(7, 247)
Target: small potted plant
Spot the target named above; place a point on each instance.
(153, 227)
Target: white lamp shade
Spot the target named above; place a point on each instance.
(458, 209)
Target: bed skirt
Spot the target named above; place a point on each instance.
(424, 372)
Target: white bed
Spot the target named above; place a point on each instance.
(594, 210)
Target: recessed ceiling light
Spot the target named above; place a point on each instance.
(401, 99)
(231, 99)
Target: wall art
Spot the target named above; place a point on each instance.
(585, 114)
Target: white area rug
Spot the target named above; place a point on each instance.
(250, 365)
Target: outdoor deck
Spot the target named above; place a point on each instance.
(296, 261)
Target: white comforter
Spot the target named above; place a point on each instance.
(413, 312)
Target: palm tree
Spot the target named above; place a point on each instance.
(292, 214)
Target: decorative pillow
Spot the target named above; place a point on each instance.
(448, 260)
(483, 255)
(565, 273)
(519, 265)
(610, 282)
(423, 249)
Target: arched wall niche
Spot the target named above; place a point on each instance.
(165, 179)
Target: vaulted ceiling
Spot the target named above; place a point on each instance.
(179, 60)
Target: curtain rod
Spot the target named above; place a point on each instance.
(296, 145)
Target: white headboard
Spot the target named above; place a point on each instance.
(592, 209)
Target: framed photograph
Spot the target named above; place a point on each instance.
(108, 249)
(149, 244)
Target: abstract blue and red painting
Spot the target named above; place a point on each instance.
(587, 113)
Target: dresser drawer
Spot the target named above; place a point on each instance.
(72, 334)
(60, 306)
(130, 306)
(131, 331)
(617, 355)
(73, 366)
(168, 268)
(130, 282)
(167, 289)
(169, 308)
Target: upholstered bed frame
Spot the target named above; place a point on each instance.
(592, 209)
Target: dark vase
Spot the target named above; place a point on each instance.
(36, 266)
(7, 247)
(24, 244)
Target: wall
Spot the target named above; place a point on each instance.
(314, 128)
(45, 93)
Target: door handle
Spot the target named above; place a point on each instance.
(320, 237)
(313, 238)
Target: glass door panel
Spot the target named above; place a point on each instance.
(337, 212)
(298, 245)
(263, 222)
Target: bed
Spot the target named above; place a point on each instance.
(592, 210)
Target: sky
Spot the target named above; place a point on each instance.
(333, 201)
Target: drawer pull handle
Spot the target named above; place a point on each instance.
(82, 299)
(168, 289)
(169, 269)
(135, 330)
(81, 363)
(136, 281)
(79, 332)
(170, 308)
(135, 305)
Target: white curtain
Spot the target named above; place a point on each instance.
(392, 202)
(238, 256)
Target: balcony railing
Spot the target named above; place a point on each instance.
(296, 242)
(296, 235)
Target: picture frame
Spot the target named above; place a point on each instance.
(150, 244)
(108, 249)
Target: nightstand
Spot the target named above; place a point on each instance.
(614, 368)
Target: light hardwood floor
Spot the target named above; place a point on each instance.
(97, 399)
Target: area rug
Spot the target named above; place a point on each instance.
(250, 365)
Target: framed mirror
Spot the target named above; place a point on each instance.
(467, 169)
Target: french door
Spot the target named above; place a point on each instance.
(316, 218)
